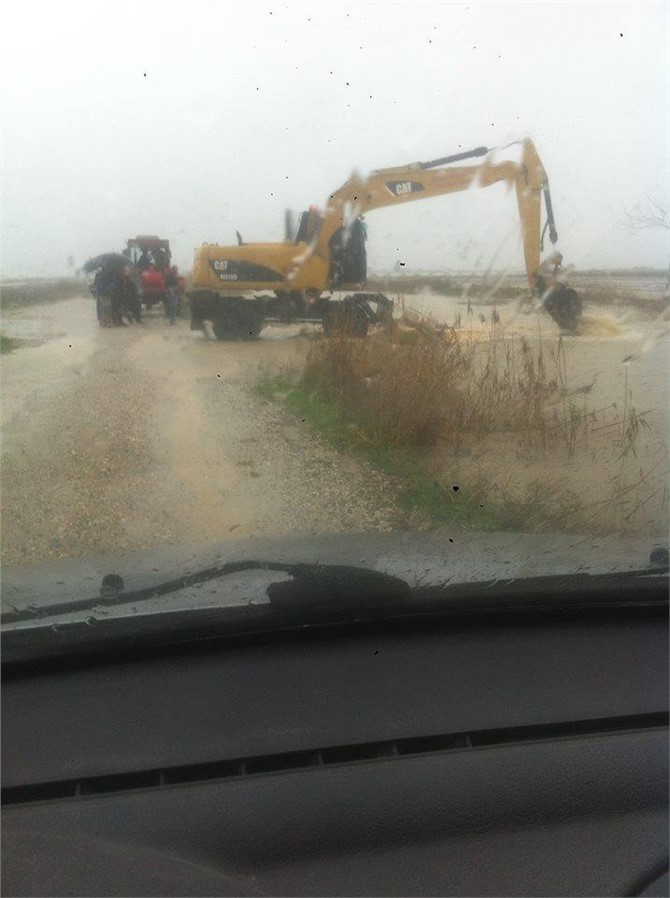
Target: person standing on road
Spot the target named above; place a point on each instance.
(171, 300)
(103, 306)
(108, 289)
(131, 296)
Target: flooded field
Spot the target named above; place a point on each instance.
(616, 368)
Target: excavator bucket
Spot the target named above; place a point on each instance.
(565, 306)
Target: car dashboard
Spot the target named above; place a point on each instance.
(431, 757)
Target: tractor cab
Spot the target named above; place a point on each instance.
(151, 258)
(145, 252)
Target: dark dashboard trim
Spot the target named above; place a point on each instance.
(327, 756)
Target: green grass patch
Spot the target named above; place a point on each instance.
(7, 344)
(437, 502)
(327, 418)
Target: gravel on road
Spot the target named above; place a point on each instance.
(137, 437)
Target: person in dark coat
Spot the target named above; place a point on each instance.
(108, 288)
(131, 302)
(161, 259)
(144, 261)
(171, 300)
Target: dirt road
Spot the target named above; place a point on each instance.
(135, 437)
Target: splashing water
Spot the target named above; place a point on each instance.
(599, 326)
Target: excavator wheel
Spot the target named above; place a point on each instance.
(345, 319)
(565, 306)
(241, 321)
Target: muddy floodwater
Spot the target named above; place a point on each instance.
(615, 370)
(144, 436)
(614, 347)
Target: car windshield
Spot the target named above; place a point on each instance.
(448, 364)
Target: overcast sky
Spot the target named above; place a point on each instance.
(192, 120)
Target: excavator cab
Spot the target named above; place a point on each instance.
(348, 256)
(310, 223)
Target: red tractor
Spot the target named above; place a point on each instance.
(150, 257)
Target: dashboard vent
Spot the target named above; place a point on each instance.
(322, 757)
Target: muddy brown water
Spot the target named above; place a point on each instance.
(615, 368)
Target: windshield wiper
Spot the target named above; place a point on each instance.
(340, 589)
(333, 589)
(324, 587)
(317, 597)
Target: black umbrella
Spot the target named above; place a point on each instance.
(111, 260)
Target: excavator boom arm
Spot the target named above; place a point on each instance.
(405, 184)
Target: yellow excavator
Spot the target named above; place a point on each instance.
(303, 278)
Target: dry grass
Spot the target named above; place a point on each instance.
(491, 414)
(422, 387)
(402, 393)
(633, 484)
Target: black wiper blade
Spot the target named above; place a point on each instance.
(337, 589)
(323, 597)
(314, 587)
